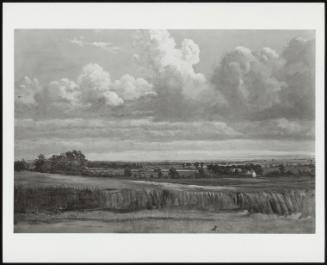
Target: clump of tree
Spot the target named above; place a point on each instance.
(41, 164)
(20, 165)
(201, 173)
(127, 172)
(71, 161)
(242, 169)
(282, 169)
(173, 173)
(159, 172)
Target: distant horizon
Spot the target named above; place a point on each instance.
(232, 159)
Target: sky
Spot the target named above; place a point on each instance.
(165, 94)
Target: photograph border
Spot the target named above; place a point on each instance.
(89, 247)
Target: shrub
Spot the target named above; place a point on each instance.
(172, 173)
(127, 172)
(20, 165)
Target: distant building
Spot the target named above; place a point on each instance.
(253, 173)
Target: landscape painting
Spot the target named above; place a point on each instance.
(164, 131)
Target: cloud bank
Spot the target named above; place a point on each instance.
(251, 94)
(93, 90)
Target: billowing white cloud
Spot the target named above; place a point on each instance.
(253, 93)
(298, 97)
(172, 66)
(95, 84)
(112, 99)
(180, 89)
(93, 89)
(129, 88)
(263, 84)
(247, 79)
(26, 90)
(64, 90)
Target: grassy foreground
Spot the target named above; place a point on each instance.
(162, 221)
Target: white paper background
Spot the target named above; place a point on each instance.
(159, 247)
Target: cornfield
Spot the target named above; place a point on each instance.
(36, 199)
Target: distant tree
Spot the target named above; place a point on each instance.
(282, 169)
(196, 164)
(70, 161)
(201, 173)
(127, 172)
(39, 163)
(258, 169)
(173, 173)
(20, 165)
(158, 171)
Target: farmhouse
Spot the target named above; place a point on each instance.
(251, 173)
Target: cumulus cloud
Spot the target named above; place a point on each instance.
(26, 90)
(129, 88)
(107, 46)
(173, 64)
(247, 80)
(61, 91)
(178, 85)
(252, 93)
(262, 84)
(95, 87)
(298, 97)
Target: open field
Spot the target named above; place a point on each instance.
(62, 203)
(163, 221)
(31, 179)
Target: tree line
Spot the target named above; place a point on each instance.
(70, 161)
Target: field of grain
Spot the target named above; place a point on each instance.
(42, 202)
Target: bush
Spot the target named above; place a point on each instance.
(201, 173)
(173, 173)
(20, 165)
(71, 161)
(127, 172)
